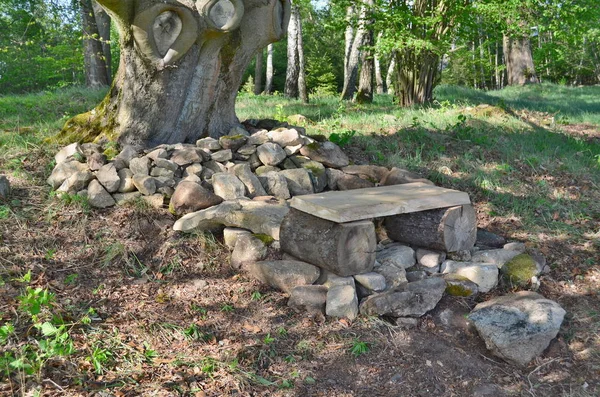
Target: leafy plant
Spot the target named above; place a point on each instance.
(342, 138)
(359, 348)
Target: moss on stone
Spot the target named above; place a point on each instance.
(458, 290)
(314, 146)
(234, 137)
(520, 269)
(265, 238)
(314, 168)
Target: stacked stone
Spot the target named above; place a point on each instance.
(281, 162)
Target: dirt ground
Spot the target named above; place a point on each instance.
(172, 319)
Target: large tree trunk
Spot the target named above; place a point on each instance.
(258, 73)
(95, 61)
(293, 65)
(519, 61)
(180, 70)
(270, 71)
(416, 77)
(103, 24)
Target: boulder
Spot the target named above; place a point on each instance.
(124, 198)
(124, 157)
(398, 255)
(416, 275)
(299, 181)
(209, 219)
(98, 197)
(515, 246)
(283, 275)
(489, 239)
(247, 249)
(70, 152)
(95, 161)
(208, 143)
(333, 176)
(275, 185)
(193, 169)
(327, 153)
(258, 216)
(4, 187)
(285, 137)
(371, 281)
(259, 137)
(497, 256)
(342, 302)
(270, 153)
(253, 185)
(372, 173)
(222, 155)
(228, 186)
(329, 279)
(140, 166)
(168, 164)
(394, 276)
(409, 300)
(231, 235)
(310, 298)
(191, 196)
(318, 174)
(126, 184)
(76, 182)
(154, 200)
(64, 170)
(518, 327)
(233, 142)
(460, 286)
(108, 177)
(352, 182)
(430, 259)
(521, 269)
(188, 155)
(159, 153)
(485, 275)
(263, 169)
(145, 184)
(398, 176)
(238, 130)
(247, 150)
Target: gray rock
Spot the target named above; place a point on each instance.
(90, 148)
(398, 176)
(124, 198)
(215, 167)
(329, 279)
(155, 200)
(247, 150)
(409, 300)
(194, 169)
(292, 150)
(156, 154)
(394, 276)
(161, 172)
(285, 137)
(259, 137)
(238, 130)
(188, 155)
(168, 164)
(70, 152)
(263, 169)
(228, 186)
(416, 275)
(398, 255)
(207, 175)
(140, 166)
(95, 161)
(165, 191)
(406, 322)
(270, 153)
(460, 256)
(485, 275)
(208, 143)
(191, 196)
(211, 218)
(254, 161)
(222, 155)
(125, 181)
(518, 327)
(74, 183)
(231, 235)
(288, 164)
(259, 217)
(498, 256)
(372, 173)
(283, 275)
(352, 182)
(333, 176)
(145, 184)
(165, 181)
(233, 142)
(193, 178)
(247, 249)
(460, 286)
(64, 170)
(299, 181)
(98, 197)
(310, 298)
(327, 153)
(275, 185)
(515, 246)
(489, 239)
(430, 259)
(342, 302)
(371, 281)
(4, 187)
(253, 185)
(129, 152)
(108, 177)
(318, 174)
(522, 269)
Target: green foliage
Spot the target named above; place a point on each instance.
(342, 138)
(358, 348)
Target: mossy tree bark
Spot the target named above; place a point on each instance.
(180, 70)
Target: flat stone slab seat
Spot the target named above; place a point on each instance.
(376, 202)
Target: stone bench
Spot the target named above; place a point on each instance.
(334, 230)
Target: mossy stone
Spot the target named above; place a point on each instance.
(458, 290)
(520, 269)
(265, 238)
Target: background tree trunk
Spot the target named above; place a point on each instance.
(519, 61)
(270, 70)
(180, 70)
(302, 90)
(353, 57)
(389, 77)
(96, 72)
(258, 73)
(103, 24)
(293, 64)
(380, 83)
(365, 85)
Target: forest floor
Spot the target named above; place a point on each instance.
(115, 303)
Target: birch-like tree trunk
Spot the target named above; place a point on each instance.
(293, 64)
(258, 73)
(353, 55)
(365, 84)
(181, 66)
(302, 90)
(379, 82)
(270, 71)
(103, 24)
